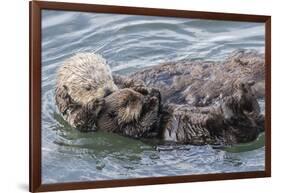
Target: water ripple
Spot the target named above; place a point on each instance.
(130, 43)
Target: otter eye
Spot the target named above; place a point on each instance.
(88, 87)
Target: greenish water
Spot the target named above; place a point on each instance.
(258, 143)
(130, 43)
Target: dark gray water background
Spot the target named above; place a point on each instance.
(130, 43)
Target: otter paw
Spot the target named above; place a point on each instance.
(153, 101)
(141, 89)
(87, 128)
(155, 92)
(95, 105)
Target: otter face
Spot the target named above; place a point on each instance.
(242, 102)
(247, 99)
(87, 77)
(242, 115)
(83, 93)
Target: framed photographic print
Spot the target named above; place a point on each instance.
(123, 96)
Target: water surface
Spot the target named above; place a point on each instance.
(130, 43)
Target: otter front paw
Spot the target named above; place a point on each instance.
(141, 89)
(90, 127)
(84, 122)
(155, 93)
(95, 106)
(153, 101)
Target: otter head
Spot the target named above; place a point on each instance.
(242, 102)
(241, 111)
(86, 77)
(83, 91)
(250, 106)
(247, 98)
(130, 113)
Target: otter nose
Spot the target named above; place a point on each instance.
(107, 92)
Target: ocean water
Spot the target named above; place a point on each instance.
(130, 43)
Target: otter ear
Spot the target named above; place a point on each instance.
(251, 82)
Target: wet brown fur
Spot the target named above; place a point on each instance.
(201, 83)
(236, 119)
(203, 89)
(131, 113)
(82, 82)
(204, 102)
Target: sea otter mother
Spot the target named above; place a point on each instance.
(85, 88)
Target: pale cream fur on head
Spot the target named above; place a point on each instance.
(86, 76)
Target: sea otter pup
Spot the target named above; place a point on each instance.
(131, 113)
(82, 82)
(236, 119)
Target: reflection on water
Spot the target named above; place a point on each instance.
(130, 43)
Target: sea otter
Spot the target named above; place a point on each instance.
(82, 82)
(203, 83)
(131, 113)
(236, 119)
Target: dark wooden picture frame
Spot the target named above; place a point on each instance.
(35, 95)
